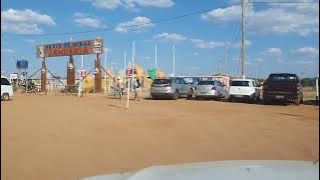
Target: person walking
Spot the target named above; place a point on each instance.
(137, 86)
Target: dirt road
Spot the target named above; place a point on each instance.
(64, 137)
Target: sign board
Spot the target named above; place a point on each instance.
(94, 46)
(22, 64)
(82, 72)
(13, 76)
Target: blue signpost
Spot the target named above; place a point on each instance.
(23, 65)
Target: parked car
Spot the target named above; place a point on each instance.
(283, 87)
(6, 89)
(173, 88)
(244, 89)
(209, 89)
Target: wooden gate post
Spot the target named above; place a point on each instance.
(70, 72)
(97, 82)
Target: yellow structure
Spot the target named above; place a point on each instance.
(88, 84)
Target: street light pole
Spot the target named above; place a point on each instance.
(243, 39)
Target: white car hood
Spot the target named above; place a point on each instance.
(226, 170)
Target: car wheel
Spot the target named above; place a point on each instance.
(175, 95)
(266, 101)
(5, 97)
(301, 100)
(297, 101)
(191, 94)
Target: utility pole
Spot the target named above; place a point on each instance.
(173, 61)
(226, 59)
(125, 60)
(243, 39)
(156, 56)
(105, 68)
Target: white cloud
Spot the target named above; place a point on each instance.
(309, 51)
(29, 40)
(196, 40)
(210, 45)
(24, 21)
(131, 4)
(141, 22)
(87, 20)
(5, 50)
(303, 62)
(272, 52)
(290, 18)
(248, 63)
(154, 3)
(199, 43)
(170, 37)
(230, 13)
(147, 58)
(258, 59)
(107, 4)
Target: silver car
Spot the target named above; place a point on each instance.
(173, 88)
(209, 89)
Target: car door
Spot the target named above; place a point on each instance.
(177, 84)
(183, 86)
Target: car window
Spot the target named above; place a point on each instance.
(206, 83)
(160, 81)
(283, 77)
(239, 83)
(218, 83)
(4, 81)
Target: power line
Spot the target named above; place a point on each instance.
(124, 27)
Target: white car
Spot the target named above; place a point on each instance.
(209, 88)
(226, 170)
(6, 89)
(244, 89)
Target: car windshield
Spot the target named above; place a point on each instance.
(4, 81)
(206, 83)
(239, 83)
(162, 81)
(282, 77)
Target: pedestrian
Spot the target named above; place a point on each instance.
(137, 86)
(119, 87)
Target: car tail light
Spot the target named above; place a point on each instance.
(213, 88)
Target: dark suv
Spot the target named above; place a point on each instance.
(283, 87)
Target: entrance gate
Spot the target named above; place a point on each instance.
(84, 47)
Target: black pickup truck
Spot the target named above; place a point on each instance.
(283, 87)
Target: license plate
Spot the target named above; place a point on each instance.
(279, 97)
(238, 96)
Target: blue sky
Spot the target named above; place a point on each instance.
(280, 37)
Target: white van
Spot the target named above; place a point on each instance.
(6, 89)
(244, 89)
